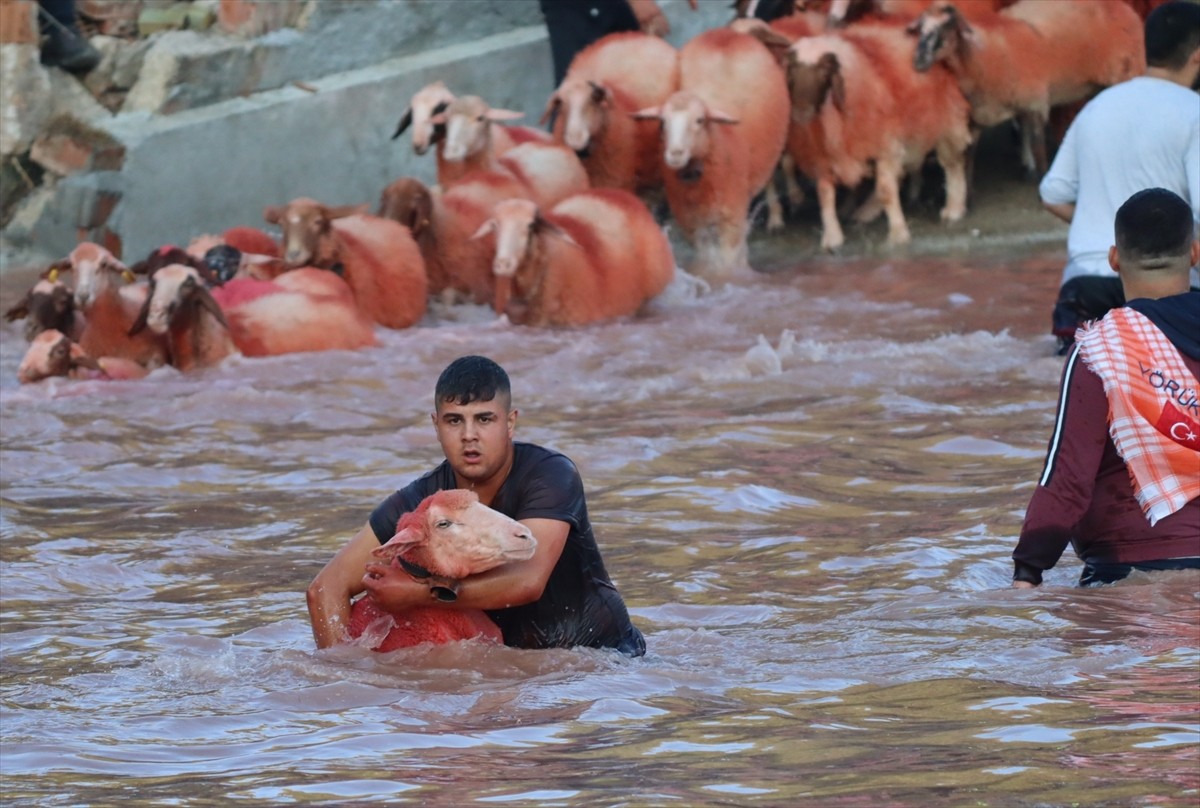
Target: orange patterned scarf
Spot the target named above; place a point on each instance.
(1153, 413)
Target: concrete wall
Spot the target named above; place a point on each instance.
(204, 169)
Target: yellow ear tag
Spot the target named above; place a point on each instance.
(127, 275)
(52, 276)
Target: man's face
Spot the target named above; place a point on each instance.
(477, 437)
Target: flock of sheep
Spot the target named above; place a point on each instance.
(552, 228)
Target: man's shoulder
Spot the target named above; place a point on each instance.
(532, 454)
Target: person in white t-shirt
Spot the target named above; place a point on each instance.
(1142, 133)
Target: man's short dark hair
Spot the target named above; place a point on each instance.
(472, 378)
(1172, 34)
(1153, 226)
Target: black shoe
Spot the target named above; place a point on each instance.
(67, 48)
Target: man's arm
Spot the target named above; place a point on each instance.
(513, 584)
(1064, 492)
(330, 592)
(1066, 212)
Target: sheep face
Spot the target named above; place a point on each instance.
(685, 128)
(170, 288)
(430, 100)
(814, 76)
(584, 105)
(49, 354)
(305, 224)
(453, 535)
(468, 122)
(941, 33)
(48, 305)
(409, 202)
(96, 272)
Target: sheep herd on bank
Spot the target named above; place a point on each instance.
(554, 227)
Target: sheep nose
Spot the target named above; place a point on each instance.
(504, 267)
(676, 158)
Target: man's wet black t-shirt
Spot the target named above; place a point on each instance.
(580, 605)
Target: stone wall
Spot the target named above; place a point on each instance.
(203, 112)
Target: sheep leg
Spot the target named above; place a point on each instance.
(1033, 143)
(887, 188)
(953, 160)
(774, 207)
(832, 237)
(869, 210)
(795, 194)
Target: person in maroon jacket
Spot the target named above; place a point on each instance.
(1089, 494)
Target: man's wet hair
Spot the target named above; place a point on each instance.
(1154, 229)
(1172, 34)
(472, 378)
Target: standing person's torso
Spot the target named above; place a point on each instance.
(1133, 136)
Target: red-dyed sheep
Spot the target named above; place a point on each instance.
(110, 305)
(594, 256)
(723, 133)
(377, 257)
(52, 353)
(1031, 56)
(617, 75)
(48, 305)
(449, 536)
(443, 220)
(550, 171)
(180, 307)
(859, 108)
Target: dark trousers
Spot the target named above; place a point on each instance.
(575, 24)
(1097, 573)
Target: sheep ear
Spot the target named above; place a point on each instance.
(913, 27)
(838, 91)
(551, 105)
(272, 214)
(21, 310)
(649, 113)
(342, 211)
(550, 229)
(139, 324)
(405, 122)
(402, 542)
(51, 272)
(503, 115)
(487, 227)
(206, 300)
(716, 116)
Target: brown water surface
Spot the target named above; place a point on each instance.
(807, 488)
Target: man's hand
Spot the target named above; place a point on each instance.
(394, 589)
(1023, 585)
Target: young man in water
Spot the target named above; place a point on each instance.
(562, 597)
(1122, 477)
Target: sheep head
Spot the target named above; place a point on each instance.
(942, 34)
(48, 305)
(306, 227)
(428, 101)
(584, 106)
(518, 225)
(766, 9)
(96, 272)
(452, 534)
(468, 121)
(409, 202)
(685, 120)
(176, 292)
(52, 353)
(814, 76)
